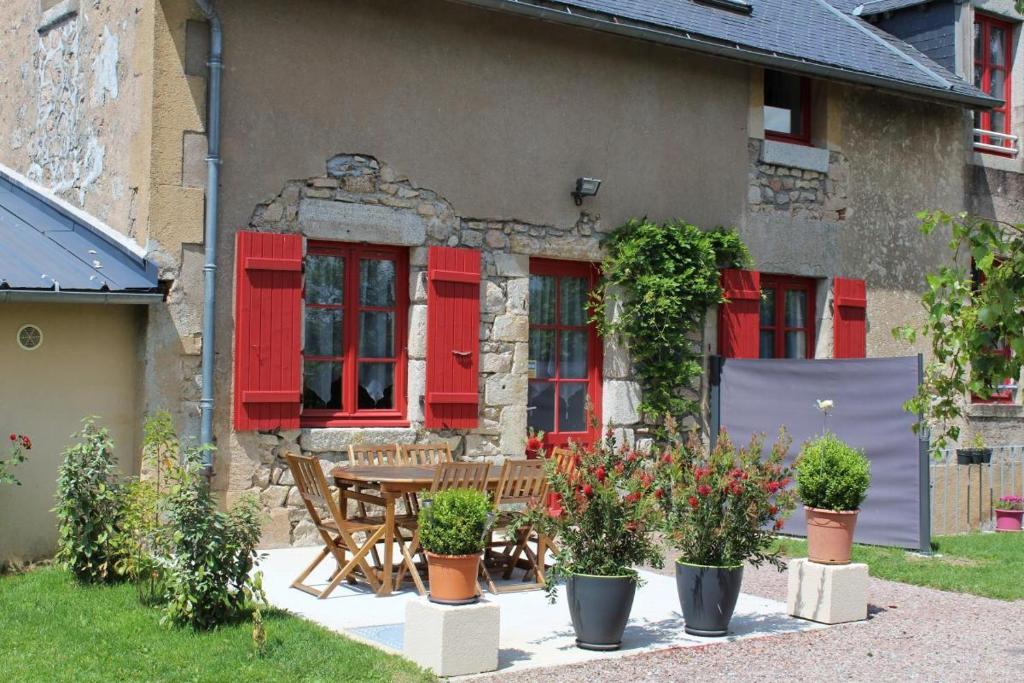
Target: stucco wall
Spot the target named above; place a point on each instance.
(86, 365)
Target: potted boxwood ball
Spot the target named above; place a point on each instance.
(453, 527)
(832, 479)
(720, 509)
(601, 522)
(1009, 512)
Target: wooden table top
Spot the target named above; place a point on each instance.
(398, 474)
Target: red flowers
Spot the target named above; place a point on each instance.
(534, 444)
(633, 456)
(646, 480)
(778, 524)
(632, 497)
(14, 437)
(735, 489)
(659, 493)
(667, 458)
(600, 474)
(703, 490)
(692, 500)
(26, 442)
(588, 490)
(619, 468)
(22, 441)
(773, 510)
(700, 473)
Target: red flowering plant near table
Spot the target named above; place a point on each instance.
(602, 512)
(721, 508)
(19, 445)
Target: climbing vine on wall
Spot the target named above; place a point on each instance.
(659, 281)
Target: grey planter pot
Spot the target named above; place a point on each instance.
(973, 456)
(599, 607)
(708, 597)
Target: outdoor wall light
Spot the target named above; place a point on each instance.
(585, 187)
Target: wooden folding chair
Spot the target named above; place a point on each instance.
(522, 483)
(336, 531)
(380, 455)
(449, 475)
(374, 455)
(426, 453)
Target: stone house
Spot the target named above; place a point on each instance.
(397, 253)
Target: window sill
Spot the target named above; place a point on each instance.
(338, 439)
(998, 162)
(57, 14)
(792, 155)
(995, 410)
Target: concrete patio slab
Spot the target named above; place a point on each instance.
(534, 633)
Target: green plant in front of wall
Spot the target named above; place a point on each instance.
(455, 522)
(831, 475)
(19, 445)
(89, 506)
(659, 281)
(969, 315)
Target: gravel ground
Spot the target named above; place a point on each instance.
(912, 634)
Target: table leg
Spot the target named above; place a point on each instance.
(389, 541)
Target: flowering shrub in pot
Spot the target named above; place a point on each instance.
(1009, 512)
(832, 479)
(453, 527)
(720, 509)
(601, 517)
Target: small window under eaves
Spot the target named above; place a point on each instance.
(740, 6)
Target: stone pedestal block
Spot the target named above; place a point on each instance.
(827, 593)
(452, 640)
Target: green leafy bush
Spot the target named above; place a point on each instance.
(830, 475)
(454, 522)
(89, 506)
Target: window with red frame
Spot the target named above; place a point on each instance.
(787, 317)
(1004, 392)
(787, 107)
(565, 352)
(992, 65)
(354, 352)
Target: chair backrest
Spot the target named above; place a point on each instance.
(426, 454)
(522, 481)
(374, 455)
(313, 489)
(461, 475)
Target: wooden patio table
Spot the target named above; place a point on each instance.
(393, 481)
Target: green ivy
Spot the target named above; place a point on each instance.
(659, 281)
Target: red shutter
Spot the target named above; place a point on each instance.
(453, 338)
(851, 332)
(268, 317)
(739, 318)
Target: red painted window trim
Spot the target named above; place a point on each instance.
(595, 354)
(987, 22)
(804, 138)
(350, 416)
(780, 284)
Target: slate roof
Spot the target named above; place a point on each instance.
(817, 37)
(866, 9)
(48, 246)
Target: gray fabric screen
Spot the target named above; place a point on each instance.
(758, 396)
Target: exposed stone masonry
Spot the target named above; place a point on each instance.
(800, 192)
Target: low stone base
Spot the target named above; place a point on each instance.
(827, 593)
(452, 641)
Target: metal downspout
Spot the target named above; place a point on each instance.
(215, 66)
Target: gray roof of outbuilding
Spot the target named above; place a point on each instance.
(47, 246)
(866, 9)
(816, 37)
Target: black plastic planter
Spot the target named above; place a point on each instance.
(708, 596)
(599, 607)
(973, 456)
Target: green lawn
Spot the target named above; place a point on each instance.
(54, 630)
(982, 564)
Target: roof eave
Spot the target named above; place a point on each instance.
(734, 52)
(78, 297)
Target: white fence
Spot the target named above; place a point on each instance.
(962, 496)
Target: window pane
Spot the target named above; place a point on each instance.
(979, 49)
(541, 406)
(376, 386)
(574, 301)
(574, 355)
(977, 75)
(796, 308)
(321, 385)
(996, 83)
(997, 46)
(376, 334)
(325, 279)
(768, 307)
(796, 345)
(998, 125)
(542, 299)
(572, 406)
(323, 331)
(767, 344)
(542, 354)
(783, 103)
(376, 282)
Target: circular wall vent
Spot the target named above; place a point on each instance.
(30, 337)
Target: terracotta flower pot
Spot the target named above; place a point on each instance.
(830, 535)
(1009, 520)
(453, 578)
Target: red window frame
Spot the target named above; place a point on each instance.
(984, 118)
(780, 284)
(350, 415)
(595, 352)
(804, 138)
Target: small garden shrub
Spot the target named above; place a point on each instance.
(455, 522)
(89, 506)
(832, 475)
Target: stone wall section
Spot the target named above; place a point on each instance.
(360, 199)
(802, 193)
